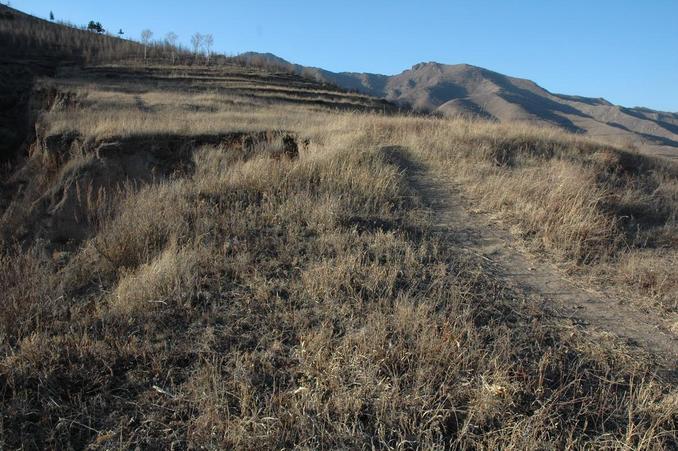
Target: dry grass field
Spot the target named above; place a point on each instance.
(587, 205)
(172, 279)
(602, 211)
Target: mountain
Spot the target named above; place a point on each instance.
(466, 90)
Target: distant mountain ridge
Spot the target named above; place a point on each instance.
(466, 90)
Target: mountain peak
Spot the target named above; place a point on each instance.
(437, 65)
(426, 64)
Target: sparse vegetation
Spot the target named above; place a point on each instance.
(171, 42)
(24, 36)
(196, 43)
(209, 42)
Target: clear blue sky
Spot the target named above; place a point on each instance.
(623, 50)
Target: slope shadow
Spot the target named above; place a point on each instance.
(536, 104)
(665, 125)
(17, 79)
(586, 100)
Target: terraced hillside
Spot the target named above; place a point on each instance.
(127, 123)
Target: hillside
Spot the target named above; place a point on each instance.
(31, 48)
(467, 90)
(233, 256)
(79, 111)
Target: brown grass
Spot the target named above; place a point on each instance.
(136, 104)
(581, 202)
(275, 303)
(27, 36)
(599, 210)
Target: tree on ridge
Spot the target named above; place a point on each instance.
(209, 41)
(95, 26)
(196, 42)
(146, 36)
(171, 42)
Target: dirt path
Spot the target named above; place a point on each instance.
(583, 306)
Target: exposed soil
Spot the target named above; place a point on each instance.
(49, 196)
(477, 233)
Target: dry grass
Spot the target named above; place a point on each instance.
(169, 277)
(158, 100)
(26, 279)
(28, 36)
(601, 211)
(582, 202)
(273, 303)
(25, 37)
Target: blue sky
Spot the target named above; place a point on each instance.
(623, 50)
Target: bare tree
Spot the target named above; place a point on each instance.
(171, 42)
(209, 42)
(146, 36)
(196, 42)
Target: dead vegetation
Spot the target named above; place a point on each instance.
(228, 310)
(599, 210)
(243, 299)
(193, 101)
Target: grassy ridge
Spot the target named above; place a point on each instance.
(26, 37)
(308, 307)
